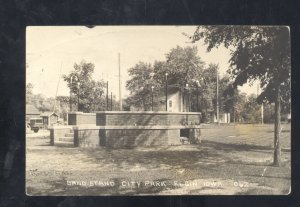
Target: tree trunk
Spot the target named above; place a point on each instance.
(277, 144)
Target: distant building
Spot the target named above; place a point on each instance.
(49, 118)
(31, 112)
(286, 117)
(223, 117)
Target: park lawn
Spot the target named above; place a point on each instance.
(229, 160)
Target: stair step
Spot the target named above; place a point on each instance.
(66, 139)
(64, 144)
(69, 134)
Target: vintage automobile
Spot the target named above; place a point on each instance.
(36, 124)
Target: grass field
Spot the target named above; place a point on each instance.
(229, 160)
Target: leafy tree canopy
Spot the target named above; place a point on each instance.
(182, 65)
(257, 53)
(87, 91)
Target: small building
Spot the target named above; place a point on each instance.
(177, 101)
(223, 117)
(31, 112)
(49, 118)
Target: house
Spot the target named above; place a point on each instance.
(49, 118)
(31, 112)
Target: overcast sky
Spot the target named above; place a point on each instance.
(52, 52)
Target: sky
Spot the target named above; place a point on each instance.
(51, 52)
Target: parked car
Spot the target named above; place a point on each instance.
(36, 124)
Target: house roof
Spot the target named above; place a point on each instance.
(48, 113)
(31, 109)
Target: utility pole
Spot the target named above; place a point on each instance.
(218, 121)
(107, 96)
(120, 95)
(188, 97)
(152, 87)
(166, 91)
(70, 102)
(197, 97)
(111, 101)
(59, 77)
(78, 86)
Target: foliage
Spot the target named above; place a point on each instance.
(237, 102)
(62, 104)
(251, 111)
(269, 115)
(38, 100)
(257, 53)
(29, 88)
(86, 92)
(140, 86)
(183, 66)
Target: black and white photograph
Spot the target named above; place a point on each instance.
(158, 110)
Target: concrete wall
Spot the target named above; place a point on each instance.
(136, 137)
(130, 118)
(79, 118)
(174, 137)
(86, 138)
(119, 137)
(143, 128)
(127, 129)
(57, 132)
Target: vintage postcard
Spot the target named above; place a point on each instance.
(158, 110)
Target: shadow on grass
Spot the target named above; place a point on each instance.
(150, 159)
(203, 160)
(229, 147)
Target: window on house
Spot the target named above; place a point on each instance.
(170, 103)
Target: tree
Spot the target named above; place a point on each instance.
(251, 110)
(184, 68)
(63, 106)
(183, 65)
(257, 53)
(207, 89)
(140, 86)
(269, 113)
(237, 103)
(89, 93)
(29, 93)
